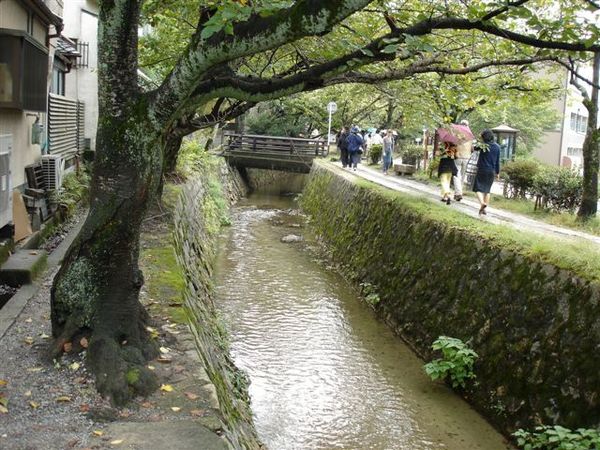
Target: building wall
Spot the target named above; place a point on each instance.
(548, 150)
(13, 15)
(18, 122)
(557, 146)
(81, 23)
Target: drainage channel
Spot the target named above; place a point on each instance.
(324, 372)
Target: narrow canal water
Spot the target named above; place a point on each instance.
(324, 372)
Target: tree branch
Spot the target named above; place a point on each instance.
(503, 9)
(258, 34)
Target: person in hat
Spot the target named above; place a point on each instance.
(463, 154)
(355, 146)
(488, 169)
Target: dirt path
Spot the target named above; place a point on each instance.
(54, 405)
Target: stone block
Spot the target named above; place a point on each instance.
(22, 267)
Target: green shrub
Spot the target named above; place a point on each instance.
(433, 166)
(375, 152)
(518, 177)
(370, 294)
(559, 188)
(456, 363)
(74, 189)
(558, 438)
(411, 154)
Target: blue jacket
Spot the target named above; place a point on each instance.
(354, 142)
(489, 159)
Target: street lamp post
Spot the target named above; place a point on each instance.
(331, 108)
(426, 153)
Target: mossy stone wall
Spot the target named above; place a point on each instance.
(196, 240)
(535, 327)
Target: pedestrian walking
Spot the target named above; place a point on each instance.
(342, 145)
(446, 170)
(488, 169)
(463, 154)
(388, 151)
(355, 146)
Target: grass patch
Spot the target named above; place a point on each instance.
(577, 256)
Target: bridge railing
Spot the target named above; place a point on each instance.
(275, 145)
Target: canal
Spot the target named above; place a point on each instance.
(324, 372)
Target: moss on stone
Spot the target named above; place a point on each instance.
(528, 308)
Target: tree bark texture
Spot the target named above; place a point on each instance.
(591, 150)
(95, 293)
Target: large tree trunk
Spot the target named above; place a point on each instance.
(591, 150)
(95, 293)
(96, 290)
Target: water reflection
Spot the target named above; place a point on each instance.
(325, 374)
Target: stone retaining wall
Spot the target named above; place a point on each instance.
(535, 327)
(195, 237)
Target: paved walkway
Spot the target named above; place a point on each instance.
(467, 206)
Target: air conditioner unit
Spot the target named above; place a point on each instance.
(53, 167)
(6, 143)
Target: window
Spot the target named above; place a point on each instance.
(23, 72)
(574, 151)
(58, 78)
(578, 122)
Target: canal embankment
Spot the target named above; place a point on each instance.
(529, 306)
(200, 213)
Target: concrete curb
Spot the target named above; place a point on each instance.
(12, 309)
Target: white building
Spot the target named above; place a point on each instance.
(81, 26)
(563, 146)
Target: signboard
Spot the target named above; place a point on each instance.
(331, 107)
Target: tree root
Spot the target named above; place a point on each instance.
(121, 371)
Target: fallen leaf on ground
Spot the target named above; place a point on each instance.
(3, 382)
(44, 336)
(3, 400)
(164, 350)
(29, 320)
(197, 412)
(163, 360)
(146, 405)
(166, 388)
(151, 367)
(63, 398)
(192, 396)
(97, 433)
(175, 408)
(27, 394)
(34, 405)
(28, 340)
(75, 366)
(34, 369)
(3, 410)
(67, 347)
(116, 442)
(83, 342)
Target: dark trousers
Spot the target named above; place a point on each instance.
(344, 157)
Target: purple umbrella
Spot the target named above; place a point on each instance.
(455, 134)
